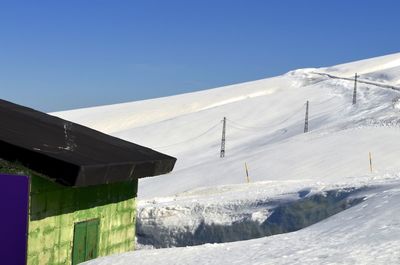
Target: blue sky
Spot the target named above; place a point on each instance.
(57, 55)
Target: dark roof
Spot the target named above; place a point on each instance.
(72, 154)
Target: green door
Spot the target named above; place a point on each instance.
(79, 243)
(85, 243)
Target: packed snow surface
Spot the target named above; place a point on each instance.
(368, 233)
(265, 123)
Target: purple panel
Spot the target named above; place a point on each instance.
(14, 203)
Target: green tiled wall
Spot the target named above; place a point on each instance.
(54, 209)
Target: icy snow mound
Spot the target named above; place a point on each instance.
(368, 233)
(239, 212)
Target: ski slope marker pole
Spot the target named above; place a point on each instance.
(370, 162)
(247, 172)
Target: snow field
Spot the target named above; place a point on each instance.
(265, 120)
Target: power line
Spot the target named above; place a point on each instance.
(244, 127)
(235, 125)
(193, 138)
(396, 88)
(240, 126)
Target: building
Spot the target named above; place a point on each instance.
(68, 191)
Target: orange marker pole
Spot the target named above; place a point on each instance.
(247, 173)
(370, 162)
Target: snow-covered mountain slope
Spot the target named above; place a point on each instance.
(265, 123)
(265, 128)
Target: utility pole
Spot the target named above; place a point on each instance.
(306, 119)
(223, 138)
(355, 89)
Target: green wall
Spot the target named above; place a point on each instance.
(54, 209)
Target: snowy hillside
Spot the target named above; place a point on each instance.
(264, 128)
(265, 122)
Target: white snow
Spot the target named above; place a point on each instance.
(265, 121)
(368, 233)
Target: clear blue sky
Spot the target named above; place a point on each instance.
(57, 55)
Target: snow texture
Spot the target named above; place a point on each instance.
(265, 121)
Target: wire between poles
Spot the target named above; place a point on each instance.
(191, 139)
(239, 126)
